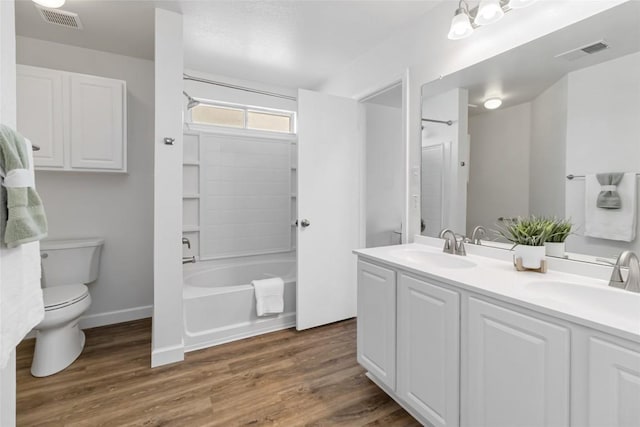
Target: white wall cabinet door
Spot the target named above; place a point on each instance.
(40, 113)
(97, 123)
(429, 350)
(518, 369)
(377, 321)
(614, 384)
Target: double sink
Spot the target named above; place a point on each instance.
(593, 299)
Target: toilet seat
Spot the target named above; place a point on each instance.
(58, 297)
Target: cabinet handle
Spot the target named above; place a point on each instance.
(169, 141)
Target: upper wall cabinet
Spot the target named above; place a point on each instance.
(79, 121)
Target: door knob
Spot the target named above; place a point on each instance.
(305, 223)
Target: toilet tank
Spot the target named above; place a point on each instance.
(68, 262)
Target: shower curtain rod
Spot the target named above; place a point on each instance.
(444, 122)
(243, 88)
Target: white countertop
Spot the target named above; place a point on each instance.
(591, 302)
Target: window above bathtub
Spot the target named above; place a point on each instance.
(221, 114)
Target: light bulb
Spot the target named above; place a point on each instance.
(489, 12)
(460, 26)
(492, 103)
(51, 4)
(519, 4)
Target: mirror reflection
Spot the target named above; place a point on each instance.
(550, 129)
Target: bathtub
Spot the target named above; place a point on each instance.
(220, 306)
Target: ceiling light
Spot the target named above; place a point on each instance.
(489, 11)
(519, 4)
(51, 4)
(492, 103)
(460, 25)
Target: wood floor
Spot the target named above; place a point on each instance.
(285, 378)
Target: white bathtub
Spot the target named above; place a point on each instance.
(220, 306)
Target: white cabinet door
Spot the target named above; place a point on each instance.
(614, 384)
(377, 321)
(97, 123)
(40, 113)
(429, 350)
(518, 369)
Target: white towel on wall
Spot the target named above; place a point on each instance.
(21, 303)
(269, 296)
(612, 224)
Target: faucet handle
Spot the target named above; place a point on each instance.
(460, 249)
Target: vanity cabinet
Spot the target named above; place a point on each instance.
(518, 368)
(453, 356)
(77, 120)
(428, 350)
(377, 321)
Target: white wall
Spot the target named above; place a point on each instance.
(167, 344)
(7, 117)
(384, 174)
(423, 49)
(499, 166)
(602, 136)
(117, 207)
(548, 151)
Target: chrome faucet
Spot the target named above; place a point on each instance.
(478, 232)
(453, 245)
(630, 260)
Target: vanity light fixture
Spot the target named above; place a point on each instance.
(492, 103)
(489, 12)
(51, 4)
(465, 19)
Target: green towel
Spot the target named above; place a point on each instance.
(23, 212)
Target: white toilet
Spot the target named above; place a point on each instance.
(67, 266)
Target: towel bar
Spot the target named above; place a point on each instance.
(570, 177)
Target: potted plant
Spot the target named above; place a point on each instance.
(560, 230)
(528, 236)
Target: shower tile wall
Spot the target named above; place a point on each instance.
(192, 193)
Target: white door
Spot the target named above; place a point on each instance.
(614, 384)
(97, 123)
(429, 350)
(377, 321)
(518, 369)
(330, 141)
(40, 113)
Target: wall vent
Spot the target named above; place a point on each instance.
(580, 52)
(60, 17)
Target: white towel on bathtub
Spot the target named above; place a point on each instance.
(269, 296)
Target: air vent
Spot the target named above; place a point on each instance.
(580, 52)
(60, 17)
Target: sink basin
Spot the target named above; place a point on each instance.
(616, 302)
(433, 258)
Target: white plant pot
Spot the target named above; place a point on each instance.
(531, 256)
(555, 249)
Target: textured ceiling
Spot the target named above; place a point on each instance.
(286, 43)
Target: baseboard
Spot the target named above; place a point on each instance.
(113, 317)
(166, 355)
(109, 318)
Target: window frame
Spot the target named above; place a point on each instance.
(246, 109)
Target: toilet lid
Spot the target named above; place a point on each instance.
(62, 296)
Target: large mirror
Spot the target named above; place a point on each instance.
(567, 123)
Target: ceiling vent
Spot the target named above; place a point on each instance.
(580, 52)
(60, 17)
